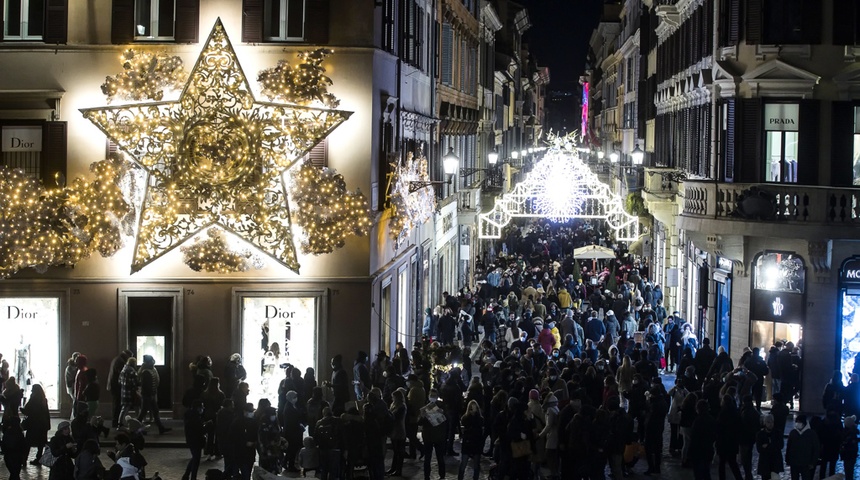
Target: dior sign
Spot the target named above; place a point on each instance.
(22, 139)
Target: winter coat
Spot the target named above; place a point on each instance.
(472, 435)
(546, 340)
(398, 430)
(88, 467)
(429, 432)
(38, 422)
(768, 443)
(803, 448)
(129, 381)
(415, 400)
(64, 467)
(677, 395)
(149, 380)
(594, 330)
(703, 437)
(551, 427)
(613, 328)
(728, 431)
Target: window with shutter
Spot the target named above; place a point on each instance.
(447, 60)
(411, 33)
(252, 21)
(389, 26)
(845, 22)
(154, 20)
(748, 157)
(753, 27)
(187, 21)
(808, 142)
(319, 154)
(284, 20)
(53, 157)
(56, 21)
(728, 147)
(23, 19)
(845, 145)
(463, 65)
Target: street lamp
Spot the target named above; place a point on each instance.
(600, 154)
(613, 157)
(450, 162)
(493, 157)
(515, 154)
(638, 155)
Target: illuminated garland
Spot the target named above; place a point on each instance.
(409, 210)
(327, 212)
(42, 227)
(304, 84)
(215, 254)
(145, 76)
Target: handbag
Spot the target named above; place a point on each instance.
(521, 448)
(48, 459)
(25, 424)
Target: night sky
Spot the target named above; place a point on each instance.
(559, 36)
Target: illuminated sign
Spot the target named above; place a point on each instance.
(30, 342)
(777, 307)
(584, 110)
(781, 116)
(851, 270)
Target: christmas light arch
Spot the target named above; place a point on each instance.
(560, 187)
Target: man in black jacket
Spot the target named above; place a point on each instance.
(328, 439)
(339, 384)
(243, 441)
(115, 389)
(705, 356)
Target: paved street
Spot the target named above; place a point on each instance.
(170, 463)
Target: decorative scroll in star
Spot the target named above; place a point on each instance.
(215, 157)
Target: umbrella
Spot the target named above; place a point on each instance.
(594, 252)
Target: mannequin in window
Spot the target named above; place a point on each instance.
(22, 362)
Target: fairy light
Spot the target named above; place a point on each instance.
(216, 156)
(304, 84)
(216, 254)
(327, 212)
(42, 227)
(145, 76)
(410, 210)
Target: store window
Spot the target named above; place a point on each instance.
(277, 331)
(856, 155)
(23, 19)
(778, 299)
(781, 141)
(154, 19)
(403, 323)
(284, 20)
(30, 343)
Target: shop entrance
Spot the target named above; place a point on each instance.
(151, 326)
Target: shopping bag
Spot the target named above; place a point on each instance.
(521, 448)
(633, 452)
(48, 459)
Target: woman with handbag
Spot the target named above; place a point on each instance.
(521, 437)
(37, 423)
(62, 449)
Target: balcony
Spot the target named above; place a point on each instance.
(755, 207)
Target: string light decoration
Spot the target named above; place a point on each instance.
(145, 76)
(215, 254)
(560, 187)
(304, 84)
(215, 157)
(326, 211)
(409, 210)
(42, 227)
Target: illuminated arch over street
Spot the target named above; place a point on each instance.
(560, 187)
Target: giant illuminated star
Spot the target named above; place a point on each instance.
(215, 157)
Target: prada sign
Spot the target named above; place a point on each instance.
(782, 116)
(778, 306)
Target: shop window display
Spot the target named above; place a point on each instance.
(850, 332)
(30, 343)
(276, 331)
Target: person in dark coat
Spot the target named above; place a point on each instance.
(451, 394)
(223, 419)
(803, 450)
(705, 357)
(88, 466)
(114, 387)
(195, 437)
(471, 440)
(434, 431)
(750, 423)
(398, 431)
(704, 434)
(447, 327)
(149, 381)
(38, 422)
(768, 443)
(269, 439)
(329, 441)
(375, 441)
(14, 447)
(655, 422)
(339, 384)
(292, 429)
(234, 372)
(848, 447)
(728, 437)
(64, 449)
(243, 440)
(830, 434)
(129, 463)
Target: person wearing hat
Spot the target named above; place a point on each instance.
(234, 372)
(64, 449)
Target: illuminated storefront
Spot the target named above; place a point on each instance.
(723, 303)
(273, 329)
(30, 343)
(849, 315)
(778, 299)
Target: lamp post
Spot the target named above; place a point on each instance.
(450, 163)
(613, 157)
(493, 157)
(637, 155)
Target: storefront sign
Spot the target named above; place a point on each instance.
(22, 139)
(724, 263)
(30, 342)
(277, 331)
(850, 271)
(782, 116)
(777, 306)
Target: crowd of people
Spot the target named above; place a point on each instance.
(550, 368)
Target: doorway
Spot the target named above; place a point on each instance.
(151, 324)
